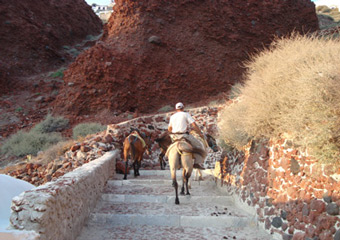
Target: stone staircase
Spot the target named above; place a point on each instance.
(144, 208)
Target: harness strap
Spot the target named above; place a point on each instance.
(181, 153)
(138, 137)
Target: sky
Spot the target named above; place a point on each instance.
(100, 2)
(327, 2)
(317, 2)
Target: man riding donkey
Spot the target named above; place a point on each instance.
(179, 128)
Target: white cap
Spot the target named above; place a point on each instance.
(179, 105)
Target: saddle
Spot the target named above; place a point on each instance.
(136, 134)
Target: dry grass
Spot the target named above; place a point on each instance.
(292, 87)
(54, 152)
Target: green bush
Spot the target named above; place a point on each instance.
(58, 74)
(24, 143)
(166, 108)
(292, 88)
(84, 129)
(51, 124)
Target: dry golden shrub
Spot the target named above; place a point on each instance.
(291, 88)
(54, 152)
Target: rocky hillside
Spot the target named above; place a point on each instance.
(35, 34)
(154, 53)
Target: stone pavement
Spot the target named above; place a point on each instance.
(144, 208)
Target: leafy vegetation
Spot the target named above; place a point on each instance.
(292, 89)
(84, 129)
(25, 143)
(41, 137)
(58, 74)
(51, 124)
(166, 108)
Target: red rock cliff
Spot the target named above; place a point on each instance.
(33, 33)
(155, 53)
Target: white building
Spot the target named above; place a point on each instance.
(98, 9)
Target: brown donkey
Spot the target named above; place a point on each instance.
(164, 141)
(134, 147)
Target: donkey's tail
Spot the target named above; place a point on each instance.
(132, 140)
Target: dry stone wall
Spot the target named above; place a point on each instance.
(58, 210)
(293, 196)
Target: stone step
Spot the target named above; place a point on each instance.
(119, 198)
(144, 208)
(166, 173)
(154, 181)
(157, 185)
(110, 220)
(158, 209)
(143, 232)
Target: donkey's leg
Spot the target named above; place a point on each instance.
(173, 163)
(183, 181)
(175, 184)
(126, 169)
(187, 170)
(161, 160)
(135, 168)
(186, 183)
(138, 166)
(200, 178)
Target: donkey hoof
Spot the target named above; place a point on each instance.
(182, 193)
(188, 193)
(124, 178)
(177, 201)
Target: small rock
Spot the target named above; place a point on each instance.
(269, 202)
(155, 40)
(81, 156)
(294, 166)
(75, 147)
(48, 177)
(108, 138)
(277, 222)
(327, 198)
(85, 148)
(102, 146)
(332, 209)
(39, 99)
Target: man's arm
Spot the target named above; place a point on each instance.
(170, 128)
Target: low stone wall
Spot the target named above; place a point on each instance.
(58, 210)
(293, 196)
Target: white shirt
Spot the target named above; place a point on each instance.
(180, 122)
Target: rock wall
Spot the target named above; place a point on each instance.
(59, 209)
(293, 196)
(33, 34)
(154, 52)
(97, 145)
